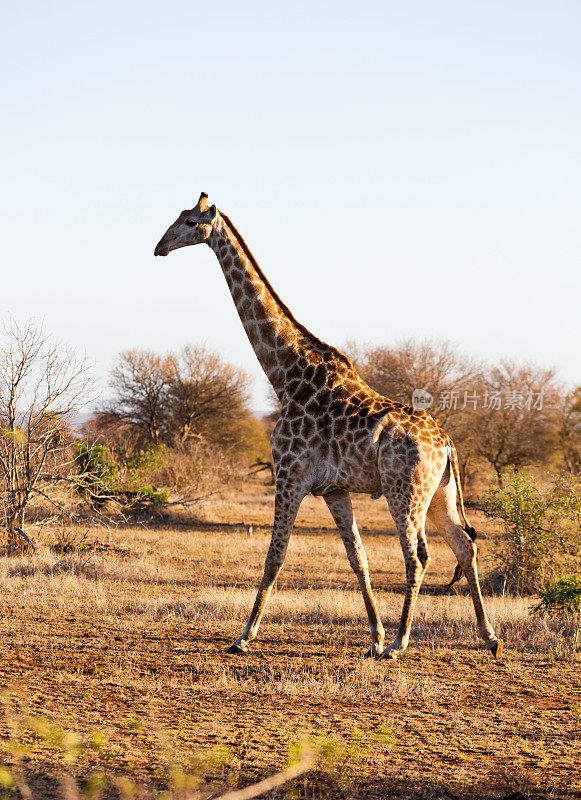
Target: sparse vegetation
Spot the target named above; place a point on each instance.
(41, 384)
(563, 600)
(540, 536)
(114, 637)
(502, 416)
(121, 633)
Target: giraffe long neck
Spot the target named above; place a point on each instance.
(282, 345)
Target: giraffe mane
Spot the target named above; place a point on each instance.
(284, 308)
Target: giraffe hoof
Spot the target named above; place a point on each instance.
(238, 649)
(390, 654)
(373, 652)
(496, 648)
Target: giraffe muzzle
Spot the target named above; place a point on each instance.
(161, 249)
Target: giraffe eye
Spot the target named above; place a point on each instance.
(190, 224)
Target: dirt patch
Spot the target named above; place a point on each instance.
(126, 647)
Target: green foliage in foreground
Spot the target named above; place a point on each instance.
(541, 532)
(209, 771)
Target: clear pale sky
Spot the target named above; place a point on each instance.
(398, 169)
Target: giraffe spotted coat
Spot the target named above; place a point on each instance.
(336, 435)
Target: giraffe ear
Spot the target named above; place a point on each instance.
(211, 213)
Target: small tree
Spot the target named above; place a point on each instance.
(207, 396)
(140, 381)
(41, 384)
(568, 420)
(540, 535)
(562, 599)
(521, 430)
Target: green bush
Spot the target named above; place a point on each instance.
(152, 495)
(562, 598)
(101, 479)
(140, 464)
(138, 467)
(540, 537)
(97, 475)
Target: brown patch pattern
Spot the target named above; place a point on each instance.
(335, 436)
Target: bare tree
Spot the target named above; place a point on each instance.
(436, 367)
(396, 371)
(516, 428)
(175, 398)
(568, 422)
(41, 384)
(492, 413)
(140, 381)
(206, 395)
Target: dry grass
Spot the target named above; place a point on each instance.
(125, 634)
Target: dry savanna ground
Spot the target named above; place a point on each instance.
(114, 670)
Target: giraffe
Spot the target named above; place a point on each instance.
(335, 436)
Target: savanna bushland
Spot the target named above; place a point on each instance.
(132, 545)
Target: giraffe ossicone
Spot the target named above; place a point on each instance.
(335, 436)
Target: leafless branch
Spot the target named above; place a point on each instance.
(41, 384)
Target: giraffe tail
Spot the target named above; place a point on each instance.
(453, 460)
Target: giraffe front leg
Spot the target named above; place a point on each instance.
(286, 505)
(339, 504)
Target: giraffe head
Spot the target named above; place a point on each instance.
(191, 227)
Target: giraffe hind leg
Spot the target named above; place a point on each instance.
(444, 514)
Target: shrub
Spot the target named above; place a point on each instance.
(101, 479)
(140, 464)
(540, 536)
(198, 468)
(97, 474)
(562, 598)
